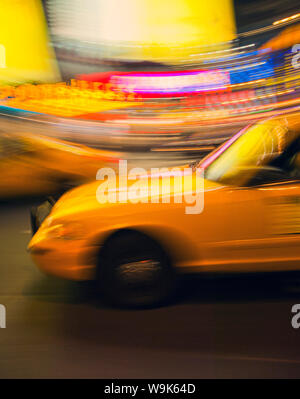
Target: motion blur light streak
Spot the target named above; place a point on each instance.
(295, 16)
(165, 83)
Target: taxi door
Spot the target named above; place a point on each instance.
(281, 202)
(257, 228)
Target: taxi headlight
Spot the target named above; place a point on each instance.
(65, 231)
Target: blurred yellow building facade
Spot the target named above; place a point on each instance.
(158, 30)
(167, 29)
(25, 53)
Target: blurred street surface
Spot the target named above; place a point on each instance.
(226, 328)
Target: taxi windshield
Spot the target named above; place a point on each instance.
(254, 146)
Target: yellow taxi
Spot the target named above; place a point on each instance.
(32, 164)
(247, 218)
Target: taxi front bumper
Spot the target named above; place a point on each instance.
(64, 263)
(72, 260)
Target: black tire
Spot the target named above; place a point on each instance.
(134, 272)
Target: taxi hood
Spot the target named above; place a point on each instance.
(114, 190)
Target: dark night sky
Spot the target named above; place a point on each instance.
(253, 14)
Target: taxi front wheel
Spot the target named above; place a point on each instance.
(135, 272)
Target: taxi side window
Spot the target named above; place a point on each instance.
(294, 166)
(289, 160)
(285, 167)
